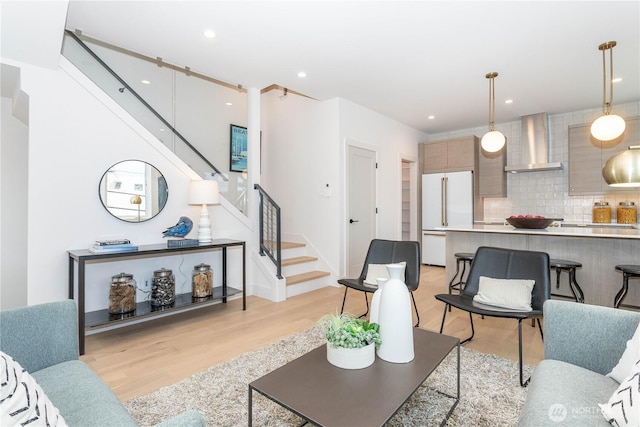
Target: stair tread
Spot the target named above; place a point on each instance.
(298, 260)
(303, 277)
(291, 245)
(286, 245)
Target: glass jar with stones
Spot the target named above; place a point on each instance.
(163, 288)
(122, 294)
(201, 281)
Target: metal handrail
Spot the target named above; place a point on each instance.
(270, 232)
(143, 102)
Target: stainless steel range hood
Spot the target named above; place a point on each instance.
(534, 139)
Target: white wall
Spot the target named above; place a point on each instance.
(74, 136)
(14, 151)
(304, 147)
(393, 142)
(300, 154)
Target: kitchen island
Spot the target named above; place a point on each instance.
(598, 249)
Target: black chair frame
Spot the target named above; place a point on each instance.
(388, 252)
(503, 263)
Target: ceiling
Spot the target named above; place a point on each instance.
(404, 59)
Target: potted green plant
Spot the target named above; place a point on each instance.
(351, 342)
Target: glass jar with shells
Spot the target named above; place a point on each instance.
(201, 281)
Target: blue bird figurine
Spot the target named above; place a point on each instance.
(181, 229)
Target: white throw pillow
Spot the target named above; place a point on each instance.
(22, 400)
(513, 294)
(379, 271)
(630, 355)
(623, 408)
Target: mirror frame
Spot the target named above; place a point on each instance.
(135, 196)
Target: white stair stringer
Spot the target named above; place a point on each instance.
(269, 286)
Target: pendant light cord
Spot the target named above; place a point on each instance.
(606, 104)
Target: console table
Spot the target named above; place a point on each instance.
(81, 257)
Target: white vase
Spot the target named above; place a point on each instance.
(375, 301)
(351, 358)
(395, 319)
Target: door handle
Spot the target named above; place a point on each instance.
(351, 221)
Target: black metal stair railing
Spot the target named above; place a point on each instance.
(270, 233)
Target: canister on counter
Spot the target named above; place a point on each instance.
(627, 213)
(601, 213)
(122, 294)
(201, 281)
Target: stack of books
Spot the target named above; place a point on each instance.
(112, 246)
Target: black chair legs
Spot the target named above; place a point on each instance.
(523, 382)
(366, 299)
(415, 307)
(444, 315)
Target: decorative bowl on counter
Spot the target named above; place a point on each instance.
(530, 222)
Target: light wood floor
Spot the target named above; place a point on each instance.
(139, 359)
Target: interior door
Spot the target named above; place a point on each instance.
(361, 210)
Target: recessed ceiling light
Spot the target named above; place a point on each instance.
(617, 79)
(302, 74)
(210, 34)
(145, 82)
(161, 129)
(228, 103)
(509, 101)
(431, 117)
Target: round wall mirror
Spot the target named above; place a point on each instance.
(133, 191)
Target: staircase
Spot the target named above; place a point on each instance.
(298, 267)
(300, 270)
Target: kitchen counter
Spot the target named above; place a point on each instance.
(587, 230)
(598, 249)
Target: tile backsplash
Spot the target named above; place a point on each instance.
(547, 192)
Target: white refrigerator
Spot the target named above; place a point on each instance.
(447, 201)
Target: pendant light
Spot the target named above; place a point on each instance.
(608, 126)
(623, 169)
(493, 140)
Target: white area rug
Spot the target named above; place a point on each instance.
(490, 392)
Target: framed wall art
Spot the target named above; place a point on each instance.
(238, 149)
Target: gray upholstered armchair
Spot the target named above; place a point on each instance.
(44, 340)
(582, 343)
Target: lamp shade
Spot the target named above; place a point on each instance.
(623, 169)
(493, 141)
(204, 192)
(608, 127)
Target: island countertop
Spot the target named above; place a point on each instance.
(589, 230)
(598, 249)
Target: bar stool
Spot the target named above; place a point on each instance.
(561, 265)
(461, 258)
(628, 271)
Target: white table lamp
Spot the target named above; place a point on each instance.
(204, 192)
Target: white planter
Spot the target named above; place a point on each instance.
(351, 358)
